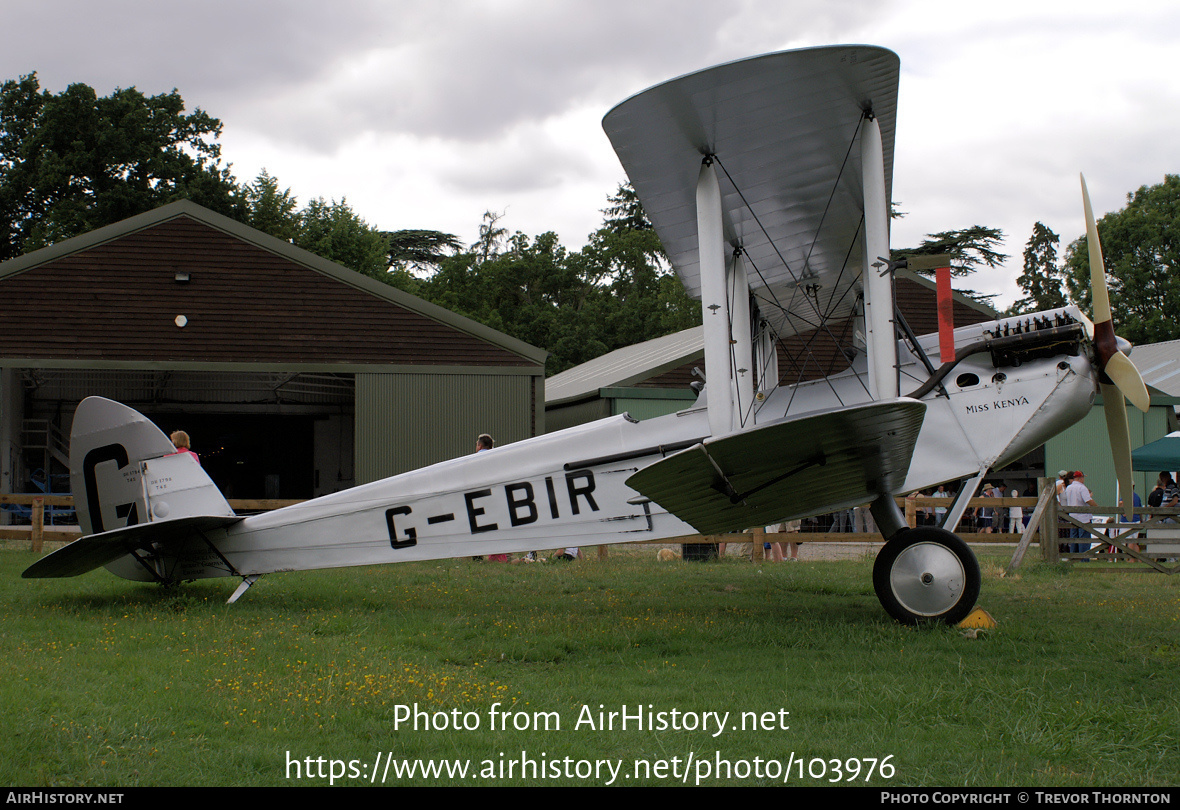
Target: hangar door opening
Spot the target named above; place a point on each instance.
(258, 434)
(251, 455)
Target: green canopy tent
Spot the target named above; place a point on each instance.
(1162, 454)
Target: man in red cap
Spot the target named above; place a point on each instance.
(1077, 495)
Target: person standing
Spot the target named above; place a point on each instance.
(1164, 493)
(940, 511)
(1029, 492)
(1063, 479)
(1077, 494)
(1064, 530)
(793, 527)
(985, 512)
(1015, 514)
(486, 442)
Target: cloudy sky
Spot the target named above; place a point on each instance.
(426, 113)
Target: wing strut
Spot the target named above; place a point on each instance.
(151, 569)
(212, 547)
(714, 303)
(742, 341)
(878, 281)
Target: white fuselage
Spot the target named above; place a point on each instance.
(568, 488)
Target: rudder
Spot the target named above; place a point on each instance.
(125, 471)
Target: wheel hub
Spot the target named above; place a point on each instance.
(927, 579)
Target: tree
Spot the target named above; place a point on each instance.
(73, 162)
(270, 210)
(534, 290)
(646, 298)
(491, 236)
(1141, 250)
(331, 230)
(614, 292)
(1042, 276)
(334, 231)
(625, 212)
(970, 249)
(420, 250)
(625, 217)
(650, 300)
(410, 253)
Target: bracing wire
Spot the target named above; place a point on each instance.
(822, 314)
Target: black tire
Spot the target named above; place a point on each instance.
(926, 575)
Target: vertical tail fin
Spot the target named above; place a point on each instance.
(125, 471)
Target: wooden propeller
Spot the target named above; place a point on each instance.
(1118, 376)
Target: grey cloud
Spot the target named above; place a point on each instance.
(214, 49)
(317, 74)
(470, 71)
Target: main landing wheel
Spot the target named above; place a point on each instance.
(926, 575)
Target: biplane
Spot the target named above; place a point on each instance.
(768, 182)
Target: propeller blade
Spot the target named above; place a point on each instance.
(1122, 373)
(1117, 367)
(1097, 267)
(1120, 444)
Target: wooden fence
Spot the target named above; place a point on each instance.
(39, 531)
(1153, 540)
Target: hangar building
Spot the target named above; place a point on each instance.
(295, 376)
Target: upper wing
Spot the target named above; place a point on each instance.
(784, 130)
(787, 469)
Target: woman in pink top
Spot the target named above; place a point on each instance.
(181, 441)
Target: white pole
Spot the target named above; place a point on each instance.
(743, 344)
(714, 304)
(767, 360)
(878, 285)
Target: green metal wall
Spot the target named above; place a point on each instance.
(648, 403)
(409, 420)
(639, 403)
(561, 417)
(1085, 447)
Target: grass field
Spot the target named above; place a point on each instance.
(313, 678)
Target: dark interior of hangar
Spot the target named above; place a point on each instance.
(250, 455)
(284, 436)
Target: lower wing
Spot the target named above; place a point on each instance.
(787, 469)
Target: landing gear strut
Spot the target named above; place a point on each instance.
(926, 575)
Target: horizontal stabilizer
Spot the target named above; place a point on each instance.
(97, 550)
(792, 468)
